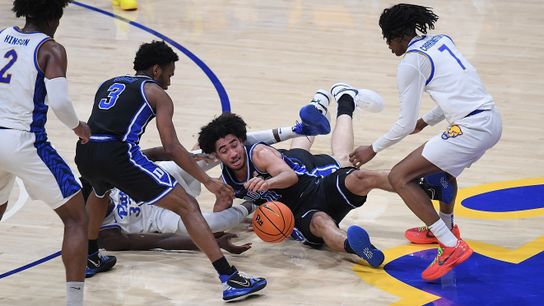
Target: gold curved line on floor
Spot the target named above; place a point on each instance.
(409, 295)
(464, 193)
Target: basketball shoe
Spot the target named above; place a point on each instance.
(363, 98)
(127, 5)
(423, 235)
(446, 259)
(315, 116)
(238, 285)
(98, 262)
(359, 241)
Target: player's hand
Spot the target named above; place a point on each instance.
(222, 191)
(83, 131)
(256, 184)
(420, 125)
(361, 156)
(225, 243)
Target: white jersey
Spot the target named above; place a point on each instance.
(136, 218)
(132, 217)
(433, 64)
(22, 88)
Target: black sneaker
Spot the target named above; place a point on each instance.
(97, 263)
(238, 285)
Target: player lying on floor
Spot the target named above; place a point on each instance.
(132, 226)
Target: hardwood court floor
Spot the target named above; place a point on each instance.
(269, 57)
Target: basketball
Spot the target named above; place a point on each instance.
(273, 222)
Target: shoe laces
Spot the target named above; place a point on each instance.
(422, 229)
(439, 254)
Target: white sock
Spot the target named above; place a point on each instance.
(219, 221)
(271, 136)
(448, 219)
(443, 233)
(74, 293)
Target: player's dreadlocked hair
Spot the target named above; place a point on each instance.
(40, 11)
(227, 123)
(154, 53)
(404, 19)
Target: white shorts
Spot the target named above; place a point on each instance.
(464, 142)
(44, 173)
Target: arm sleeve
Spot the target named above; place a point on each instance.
(411, 77)
(57, 97)
(434, 116)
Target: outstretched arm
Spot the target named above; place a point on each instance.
(115, 240)
(269, 160)
(164, 109)
(53, 61)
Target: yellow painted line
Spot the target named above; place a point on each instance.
(464, 193)
(409, 295)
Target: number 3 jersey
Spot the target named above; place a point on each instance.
(121, 109)
(132, 217)
(23, 103)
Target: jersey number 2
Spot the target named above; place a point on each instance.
(115, 90)
(4, 76)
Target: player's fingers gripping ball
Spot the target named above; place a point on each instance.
(273, 222)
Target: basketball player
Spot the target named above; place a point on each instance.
(123, 107)
(32, 78)
(319, 189)
(433, 64)
(132, 226)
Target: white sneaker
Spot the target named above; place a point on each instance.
(321, 100)
(363, 98)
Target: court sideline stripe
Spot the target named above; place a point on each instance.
(30, 265)
(224, 98)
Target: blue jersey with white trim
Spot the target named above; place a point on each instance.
(23, 103)
(453, 82)
(307, 182)
(121, 109)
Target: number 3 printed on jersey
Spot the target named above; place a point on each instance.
(114, 91)
(4, 76)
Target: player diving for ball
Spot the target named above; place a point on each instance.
(129, 225)
(321, 189)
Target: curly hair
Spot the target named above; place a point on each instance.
(404, 19)
(154, 53)
(40, 11)
(227, 123)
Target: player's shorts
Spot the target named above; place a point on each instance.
(319, 164)
(45, 174)
(112, 163)
(464, 142)
(331, 197)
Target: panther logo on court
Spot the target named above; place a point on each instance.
(452, 132)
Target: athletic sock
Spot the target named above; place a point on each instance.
(448, 219)
(443, 233)
(346, 106)
(223, 267)
(271, 136)
(74, 293)
(348, 248)
(93, 247)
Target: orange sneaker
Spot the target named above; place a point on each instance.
(446, 259)
(423, 235)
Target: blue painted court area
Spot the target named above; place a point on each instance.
(481, 280)
(507, 200)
